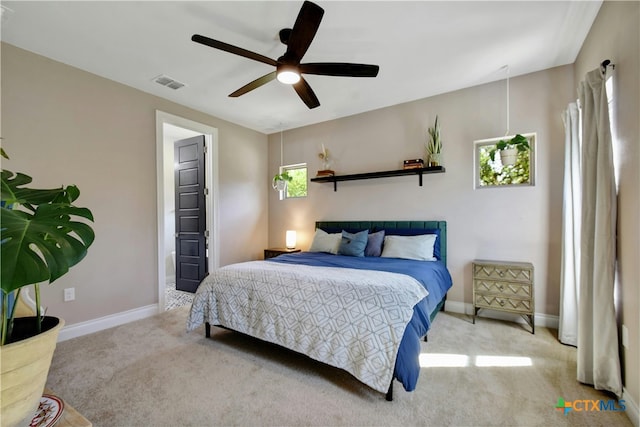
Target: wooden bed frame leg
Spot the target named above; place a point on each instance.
(207, 330)
(389, 395)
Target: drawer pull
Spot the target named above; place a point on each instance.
(501, 287)
(501, 302)
(500, 273)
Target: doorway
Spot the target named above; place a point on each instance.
(190, 249)
(170, 128)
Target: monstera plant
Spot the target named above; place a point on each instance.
(41, 239)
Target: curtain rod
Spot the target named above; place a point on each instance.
(606, 63)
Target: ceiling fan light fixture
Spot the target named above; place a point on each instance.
(288, 76)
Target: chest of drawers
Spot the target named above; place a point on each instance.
(504, 286)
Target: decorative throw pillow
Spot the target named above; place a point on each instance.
(374, 244)
(353, 244)
(325, 242)
(410, 247)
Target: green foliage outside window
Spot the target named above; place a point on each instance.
(493, 173)
(297, 187)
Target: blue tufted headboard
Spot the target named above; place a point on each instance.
(373, 226)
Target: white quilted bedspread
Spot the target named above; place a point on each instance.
(347, 318)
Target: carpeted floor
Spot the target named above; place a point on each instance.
(153, 373)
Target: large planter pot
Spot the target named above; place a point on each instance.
(509, 156)
(24, 366)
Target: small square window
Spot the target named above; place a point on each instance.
(490, 172)
(297, 187)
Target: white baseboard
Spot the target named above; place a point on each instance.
(106, 322)
(543, 320)
(632, 408)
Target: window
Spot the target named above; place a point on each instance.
(490, 172)
(297, 187)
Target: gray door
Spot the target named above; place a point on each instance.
(190, 218)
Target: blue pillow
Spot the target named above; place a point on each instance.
(353, 244)
(374, 244)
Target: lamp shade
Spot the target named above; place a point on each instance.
(290, 239)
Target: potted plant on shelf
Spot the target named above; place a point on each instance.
(434, 145)
(41, 239)
(509, 149)
(281, 180)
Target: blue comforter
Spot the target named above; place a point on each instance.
(433, 275)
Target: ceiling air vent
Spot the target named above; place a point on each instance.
(168, 82)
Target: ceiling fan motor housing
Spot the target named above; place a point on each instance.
(284, 35)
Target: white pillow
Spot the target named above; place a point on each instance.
(410, 247)
(325, 242)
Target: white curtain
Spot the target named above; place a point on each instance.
(570, 275)
(598, 356)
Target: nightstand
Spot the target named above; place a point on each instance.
(504, 286)
(274, 252)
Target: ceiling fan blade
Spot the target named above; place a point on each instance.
(306, 93)
(232, 49)
(304, 30)
(340, 69)
(254, 84)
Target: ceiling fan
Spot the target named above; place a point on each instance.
(288, 66)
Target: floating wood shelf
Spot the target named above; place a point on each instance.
(383, 174)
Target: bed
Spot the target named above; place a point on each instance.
(361, 307)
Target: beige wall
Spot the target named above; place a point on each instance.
(520, 224)
(615, 35)
(62, 125)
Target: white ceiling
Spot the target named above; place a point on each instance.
(423, 48)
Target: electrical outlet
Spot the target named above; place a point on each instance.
(69, 294)
(625, 337)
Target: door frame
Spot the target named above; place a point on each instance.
(164, 151)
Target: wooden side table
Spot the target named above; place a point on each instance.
(274, 252)
(504, 286)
